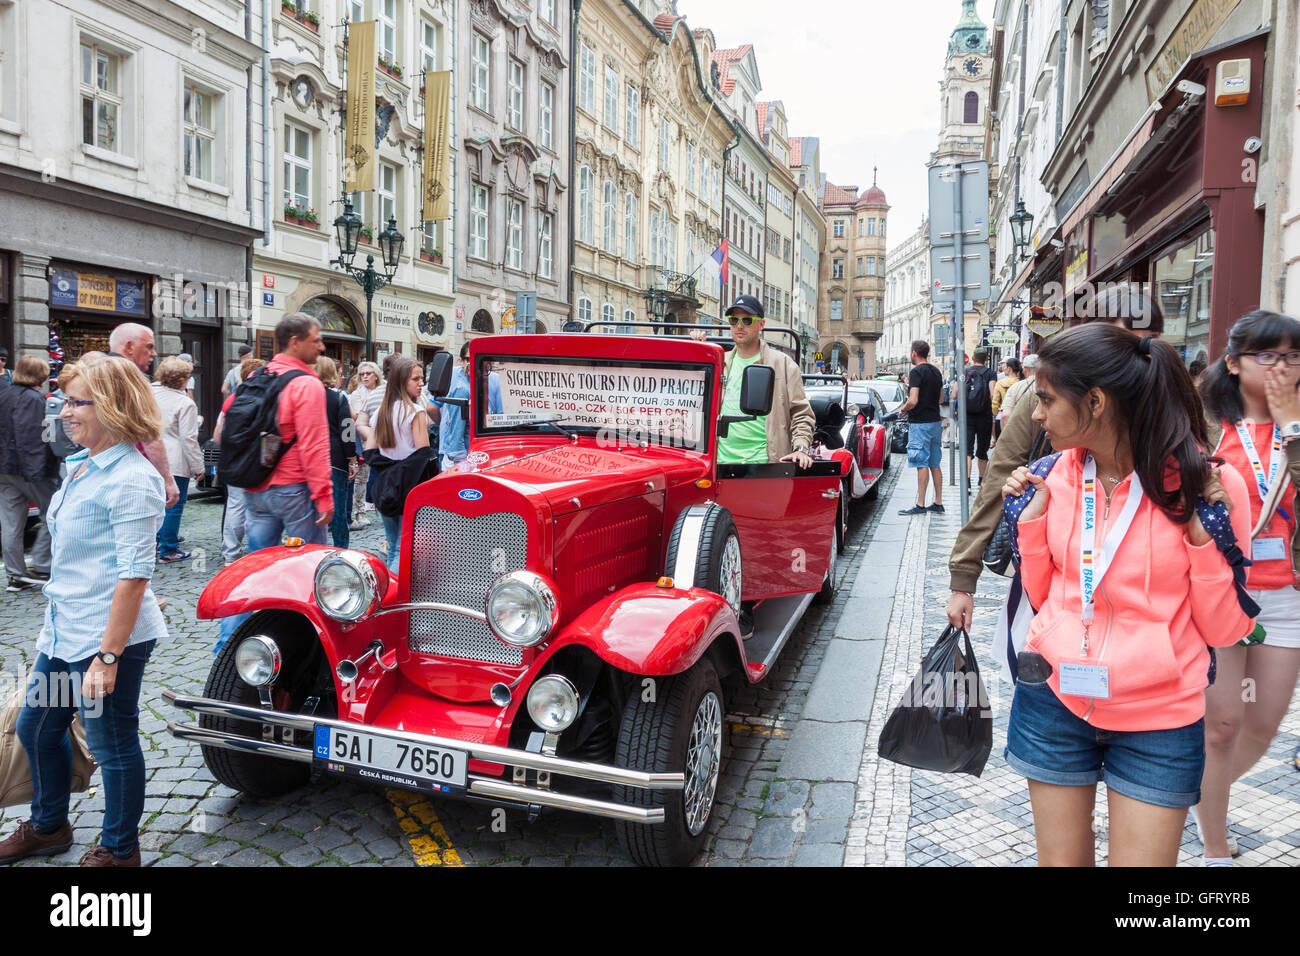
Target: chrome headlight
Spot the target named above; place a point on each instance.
(521, 608)
(346, 587)
(257, 659)
(553, 703)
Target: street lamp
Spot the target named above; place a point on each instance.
(656, 304)
(347, 228)
(1021, 220)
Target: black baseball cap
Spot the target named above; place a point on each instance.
(746, 303)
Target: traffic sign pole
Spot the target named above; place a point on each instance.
(959, 338)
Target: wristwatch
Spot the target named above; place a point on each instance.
(108, 657)
(801, 448)
(1290, 431)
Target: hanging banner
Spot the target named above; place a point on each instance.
(359, 148)
(437, 143)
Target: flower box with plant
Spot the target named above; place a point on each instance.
(300, 215)
(392, 69)
(305, 17)
(366, 234)
(430, 254)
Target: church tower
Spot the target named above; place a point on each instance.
(965, 90)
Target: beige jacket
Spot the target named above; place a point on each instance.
(791, 421)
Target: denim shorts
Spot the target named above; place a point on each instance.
(925, 444)
(1048, 743)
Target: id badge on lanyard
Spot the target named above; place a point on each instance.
(1081, 678)
(1265, 482)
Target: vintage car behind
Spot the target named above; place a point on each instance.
(564, 624)
(849, 431)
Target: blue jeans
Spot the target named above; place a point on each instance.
(112, 731)
(342, 498)
(393, 532)
(171, 525)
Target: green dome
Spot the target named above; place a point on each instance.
(971, 35)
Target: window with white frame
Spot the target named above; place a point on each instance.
(515, 115)
(478, 222)
(871, 265)
(546, 11)
(611, 100)
(587, 79)
(546, 116)
(609, 218)
(871, 227)
(101, 98)
(663, 143)
(838, 229)
(656, 236)
(629, 316)
(670, 244)
(871, 308)
(584, 309)
(690, 166)
(586, 228)
(514, 234)
(297, 166)
(199, 109)
(429, 45)
(545, 244)
(632, 129)
(387, 194)
(607, 315)
(837, 310)
(690, 251)
(717, 178)
(481, 89)
(386, 29)
(629, 226)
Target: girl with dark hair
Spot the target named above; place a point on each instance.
(1131, 592)
(401, 430)
(1254, 411)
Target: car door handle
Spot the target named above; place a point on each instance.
(831, 494)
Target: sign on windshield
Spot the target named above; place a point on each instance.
(621, 401)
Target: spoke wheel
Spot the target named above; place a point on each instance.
(703, 761)
(730, 578)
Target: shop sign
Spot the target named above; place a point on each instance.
(86, 290)
(1192, 33)
(1044, 323)
(1076, 259)
(393, 311)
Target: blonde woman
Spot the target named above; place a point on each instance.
(365, 401)
(102, 620)
(180, 435)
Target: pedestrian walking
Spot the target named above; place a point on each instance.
(343, 460)
(134, 342)
(1012, 375)
(1018, 390)
(235, 375)
(365, 401)
(6, 376)
(925, 428)
(980, 380)
(401, 429)
(234, 517)
(29, 472)
(1131, 592)
(180, 436)
(101, 622)
(1254, 411)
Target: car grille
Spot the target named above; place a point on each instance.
(454, 560)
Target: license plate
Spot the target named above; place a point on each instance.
(384, 760)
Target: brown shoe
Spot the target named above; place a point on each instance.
(103, 856)
(25, 842)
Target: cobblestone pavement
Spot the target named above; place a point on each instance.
(913, 817)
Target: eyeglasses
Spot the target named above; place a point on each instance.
(1268, 359)
(79, 402)
(745, 319)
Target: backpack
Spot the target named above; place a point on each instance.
(250, 436)
(978, 399)
(56, 430)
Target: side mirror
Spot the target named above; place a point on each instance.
(437, 374)
(756, 389)
(868, 412)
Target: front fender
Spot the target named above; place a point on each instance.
(649, 630)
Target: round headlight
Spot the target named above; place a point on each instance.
(257, 659)
(346, 587)
(521, 608)
(553, 703)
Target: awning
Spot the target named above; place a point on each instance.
(1115, 168)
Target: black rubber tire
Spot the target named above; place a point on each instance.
(874, 491)
(845, 502)
(718, 526)
(829, 583)
(303, 656)
(653, 737)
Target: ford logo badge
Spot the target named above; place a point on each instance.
(470, 494)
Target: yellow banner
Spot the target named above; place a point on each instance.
(359, 148)
(437, 143)
(96, 292)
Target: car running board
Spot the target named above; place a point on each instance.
(774, 621)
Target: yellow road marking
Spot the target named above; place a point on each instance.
(754, 730)
(425, 835)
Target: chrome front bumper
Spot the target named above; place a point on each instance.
(487, 788)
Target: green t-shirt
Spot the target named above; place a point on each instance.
(745, 442)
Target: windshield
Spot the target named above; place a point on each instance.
(889, 391)
(660, 403)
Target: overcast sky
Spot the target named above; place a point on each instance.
(815, 55)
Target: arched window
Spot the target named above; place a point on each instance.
(971, 108)
(584, 309)
(482, 322)
(628, 316)
(541, 327)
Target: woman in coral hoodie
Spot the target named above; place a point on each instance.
(1250, 396)
(1132, 592)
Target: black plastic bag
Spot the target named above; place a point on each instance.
(943, 723)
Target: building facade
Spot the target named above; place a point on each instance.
(779, 236)
(852, 283)
(128, 185)
(907, 302)
(809, 239)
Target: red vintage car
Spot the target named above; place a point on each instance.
(849, 431)
(565, 616)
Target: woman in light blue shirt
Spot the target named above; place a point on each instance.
(102, 620)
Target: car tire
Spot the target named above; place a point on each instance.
(841, 512)
(303, 657)
(874, 491)
(830, 582)
(717, 566)
(679, 729)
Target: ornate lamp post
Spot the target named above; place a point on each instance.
(348, 229)
(656, 304)
(1021, 220)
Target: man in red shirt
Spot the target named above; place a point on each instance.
(298, 499)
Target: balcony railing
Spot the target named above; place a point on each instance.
(676, 283)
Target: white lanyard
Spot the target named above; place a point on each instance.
(1094, 564)
(1275, 459)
